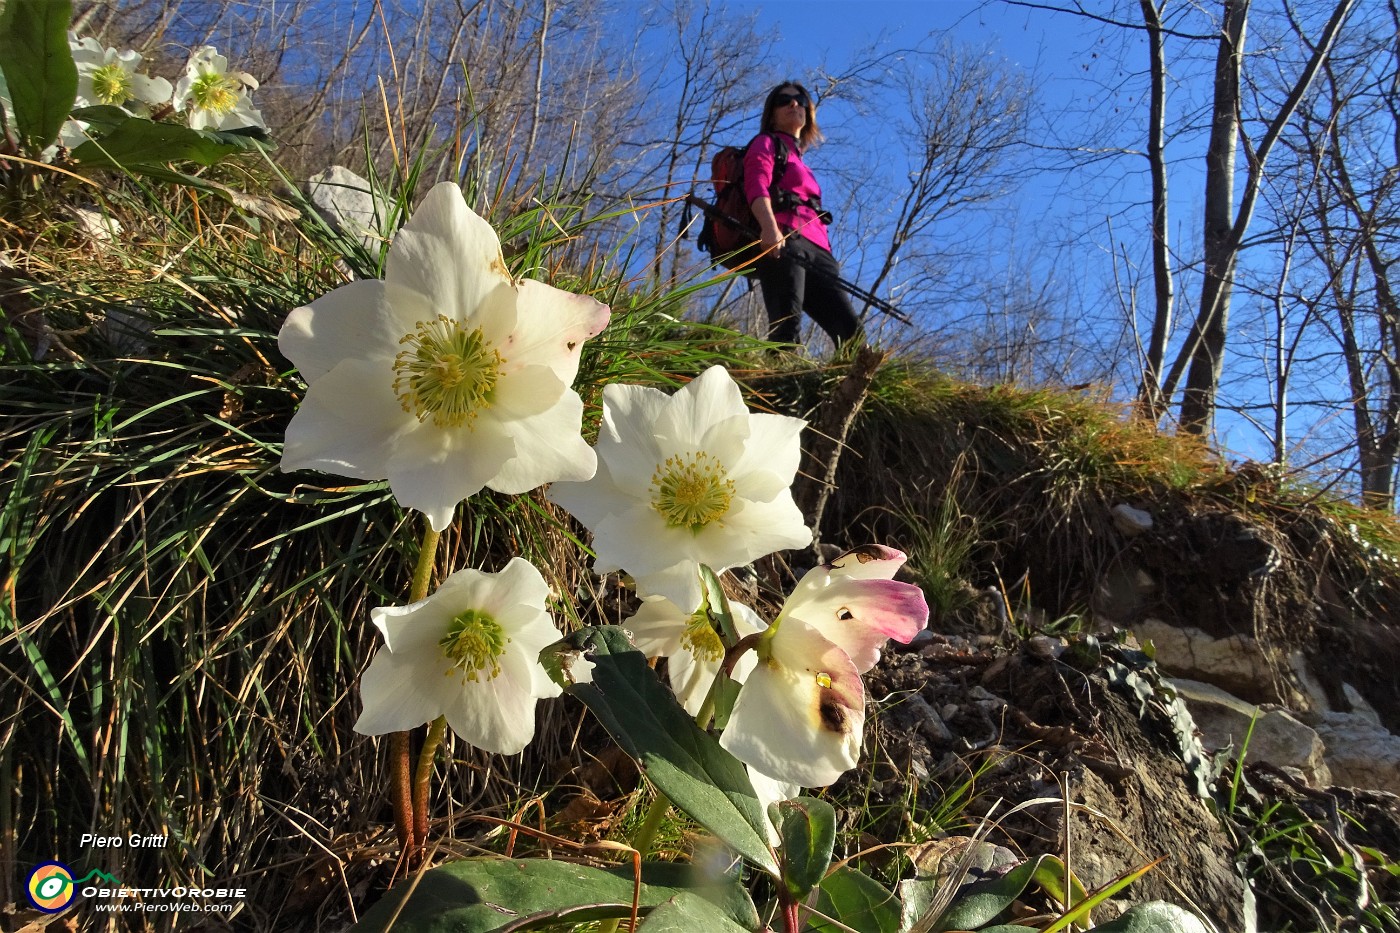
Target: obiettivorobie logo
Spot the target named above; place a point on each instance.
(52, 887)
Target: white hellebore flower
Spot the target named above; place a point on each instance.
(800, 715)
(216, 97)
(445, 377)
(688, 479)
(469, 652)
(691, 645)
(106, 76)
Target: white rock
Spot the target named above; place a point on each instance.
(1233, 661)
(1360, 753)
(1278, 738)
(349, 204)
(97, 226)
(1130, 521)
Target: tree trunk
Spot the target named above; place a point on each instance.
(1150, 402)
(1212, 319)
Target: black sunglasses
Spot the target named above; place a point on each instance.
(782, 100)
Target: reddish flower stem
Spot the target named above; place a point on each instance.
(411, 831)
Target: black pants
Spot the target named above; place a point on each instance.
(803, 277)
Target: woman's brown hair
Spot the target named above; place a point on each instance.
(811, 133)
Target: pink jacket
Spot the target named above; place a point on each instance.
(797, 178)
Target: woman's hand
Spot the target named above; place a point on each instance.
(770, 235)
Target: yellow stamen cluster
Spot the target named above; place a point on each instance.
(111, 84)
(691, 491)
(474, 643)
(215, 93)
(447, 374)
(701, 639)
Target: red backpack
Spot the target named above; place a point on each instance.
(731, 226)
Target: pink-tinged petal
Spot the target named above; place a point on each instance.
(861, 615)
(452, 257)
(551, 326)
(801, 713)
(355, 322)
(345, 425)
(868, 562)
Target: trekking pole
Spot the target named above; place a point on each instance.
(850, 288)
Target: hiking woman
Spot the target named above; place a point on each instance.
(798, 271)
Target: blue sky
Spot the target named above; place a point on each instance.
(834, 28)
(1058, 51)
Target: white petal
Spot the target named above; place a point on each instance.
(518, 583)
(657, 627)
(362, 320)
(432, 469)
(415, 629)
(496, 715)
(801, 713)
(680, 583)
(774, 448)
(348, 423)
(709, 399)
(769, 792)
(758, 529)
(548, 449)
(627, 438)
(398, 694)
(449, 254)
(151, 90)
(592, 501)
(527, 391)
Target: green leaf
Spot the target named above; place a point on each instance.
(689, 913)
(136, 141)
(916, 898)
(506, 895)
(855, 900)
(684, 762)
(979, 903)
(101, 117)
(38, 67)
(1154, 917)
(719, 609)
(808, 830)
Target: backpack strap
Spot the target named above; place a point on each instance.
(786, 200)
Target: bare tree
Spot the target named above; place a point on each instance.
(1346, 201)
(963, 114)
